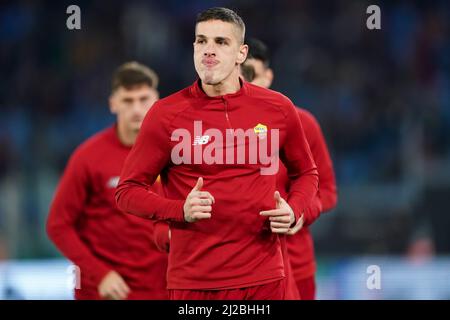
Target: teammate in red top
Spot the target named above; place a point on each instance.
(299, 241)
(216, 145)
(115, 252)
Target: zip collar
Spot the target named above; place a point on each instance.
(197, 91)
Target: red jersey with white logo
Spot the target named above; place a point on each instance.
(88, 228)
(190, 135)
(300, 245)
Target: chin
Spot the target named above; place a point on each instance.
(211, 83)
(136, 127)
(210, 79)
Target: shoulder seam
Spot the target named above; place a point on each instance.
(176, 115)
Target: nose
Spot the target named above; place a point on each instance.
(136, 107)
(209, 51)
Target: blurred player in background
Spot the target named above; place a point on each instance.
(256, 69)
(224, 217)
(115, 252)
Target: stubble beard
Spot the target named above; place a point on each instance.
(209, 78)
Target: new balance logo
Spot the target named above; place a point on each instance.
(200, 140)
(257, 145)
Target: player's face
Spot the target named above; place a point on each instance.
(263, 75)
(131, 105)
(217, 51)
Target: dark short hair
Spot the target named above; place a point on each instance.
(259, 51)
(222, 14)
(131, 74)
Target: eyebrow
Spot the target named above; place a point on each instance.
(222, 38)
(201, 36)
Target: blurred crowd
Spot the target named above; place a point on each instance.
(381, 96)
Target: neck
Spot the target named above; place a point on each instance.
(126, 137)
(228, 86)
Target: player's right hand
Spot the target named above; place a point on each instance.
(113, 287)
(198, 204)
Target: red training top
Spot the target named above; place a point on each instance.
(235, 248)
(300, 245)
(89, 230)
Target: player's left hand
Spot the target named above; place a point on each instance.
(280, 218)
(298, 226)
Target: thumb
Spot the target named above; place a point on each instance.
(198, 186)
(278, 199)
(277, 196)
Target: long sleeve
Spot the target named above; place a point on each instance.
(301, 169)
(147, 158)
(161, 235)
(66, 208)
(326, 198)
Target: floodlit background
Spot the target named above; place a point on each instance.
(381, 96)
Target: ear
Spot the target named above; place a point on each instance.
(156, 93)
(112, 104)
(243, 51)
(269, 76)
